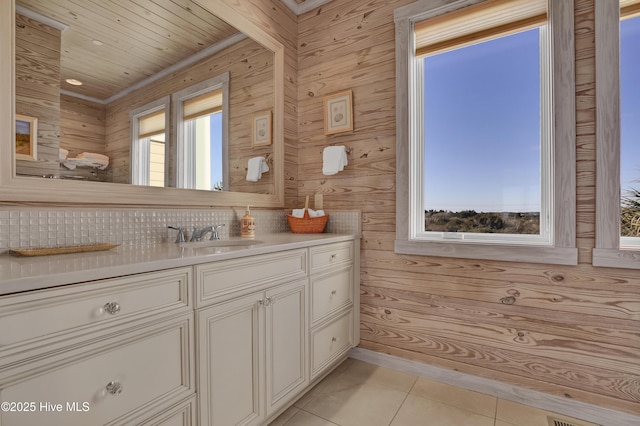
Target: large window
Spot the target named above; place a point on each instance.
(486, 131)
(485, 141)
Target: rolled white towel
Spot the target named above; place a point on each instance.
(297, 213)
(72, 163)
(63, 153)
(69, 165)
(315, 213)
(93, 156)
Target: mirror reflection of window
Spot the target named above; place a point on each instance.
(201, 118)
(203, 141)
(148, 150)
(157, 160)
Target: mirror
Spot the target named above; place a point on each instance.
(160, 51)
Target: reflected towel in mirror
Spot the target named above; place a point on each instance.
(87, 159)
(255, 168)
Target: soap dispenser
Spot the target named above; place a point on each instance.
(247, 225)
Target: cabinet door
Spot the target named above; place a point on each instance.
(286, 342)
(231, 357)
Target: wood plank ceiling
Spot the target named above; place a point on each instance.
(112, 45)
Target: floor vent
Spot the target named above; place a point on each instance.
(558, 422)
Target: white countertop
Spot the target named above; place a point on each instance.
(31, 273)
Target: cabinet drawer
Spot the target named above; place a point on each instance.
(331, 292)
(52, 312)
(331, 341)
(182, 414)
(331, 255)
(103, 382)
(235, 277)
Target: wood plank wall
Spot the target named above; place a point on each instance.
(278, 20)
(574, 331)
(82, 129)
(38, 90)
(250, 87)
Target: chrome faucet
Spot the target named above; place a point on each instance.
(199, 234)
(180, 237)
(214, 231)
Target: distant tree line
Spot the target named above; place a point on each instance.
(484, 222)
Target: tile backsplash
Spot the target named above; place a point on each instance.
(43, 227)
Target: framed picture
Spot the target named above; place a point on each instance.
(261, 130)
(338, 113)
(26, 138)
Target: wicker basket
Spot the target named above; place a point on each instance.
(307, 224)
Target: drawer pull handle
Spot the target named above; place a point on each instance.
(334, 292)
(334, 339)
(334, 257)
(114, 388)
(112, 308)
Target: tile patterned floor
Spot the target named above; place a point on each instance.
(362, 394)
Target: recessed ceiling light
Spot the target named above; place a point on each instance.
(74, 82)
(97, 42)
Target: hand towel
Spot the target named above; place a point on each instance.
(255, 168)
(63, 154)
(297, 212)
(315, 213)
(334, 158)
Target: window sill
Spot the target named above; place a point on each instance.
(614, 258)
(510, 253)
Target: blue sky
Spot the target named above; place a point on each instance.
(482, 126)
(216, 148)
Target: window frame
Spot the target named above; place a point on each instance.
(608, 251)
(184, 154)
(139, 156)
(561, 247)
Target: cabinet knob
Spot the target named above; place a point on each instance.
(114, 388)
(266, 301)
(334, 339)
(112, 308)
(334, 292)
(334, 257)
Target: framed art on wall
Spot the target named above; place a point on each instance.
(338, 112)
(26, 138)
(261, 129)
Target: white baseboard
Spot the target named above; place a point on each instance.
(533, 398)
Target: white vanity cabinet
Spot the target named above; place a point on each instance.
(252, 349)
(223, 340)
(270, 325)
(113, 352)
